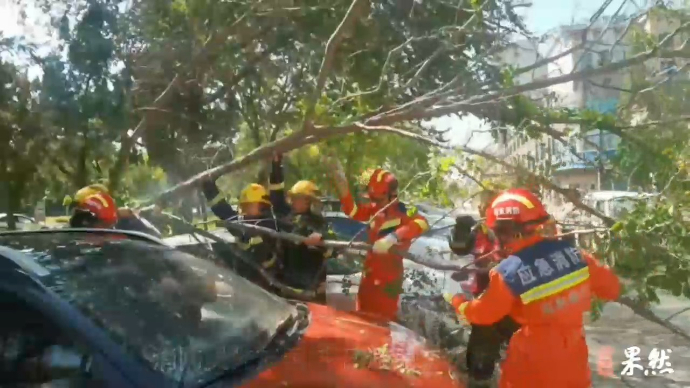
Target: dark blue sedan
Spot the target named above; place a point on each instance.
(115, 309)
(112, 309)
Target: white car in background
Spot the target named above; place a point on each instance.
(22, 222)
(613, 204)
(419, 279)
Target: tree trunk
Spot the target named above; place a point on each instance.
(202, 208)
(6, 187)
(81, 179)
(14, 198)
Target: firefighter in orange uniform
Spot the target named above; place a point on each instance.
(546, 285)
(390, 225)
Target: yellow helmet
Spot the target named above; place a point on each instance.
(88, 191)
(255, 193)
(306, 188)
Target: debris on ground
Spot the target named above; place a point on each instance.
(381, 359)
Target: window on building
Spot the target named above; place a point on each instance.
(572, 145)
(609, 141)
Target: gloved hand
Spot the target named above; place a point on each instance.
(464, 225)
(463, 274)
(313, 239)
(462, 240)
(383, 245)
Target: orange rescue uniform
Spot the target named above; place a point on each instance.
(381, 285)
(546, 288)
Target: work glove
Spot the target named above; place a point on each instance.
(459, 302)
(383, 245)
(336, 168)
(462, 240)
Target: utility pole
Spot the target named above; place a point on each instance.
(585, 99)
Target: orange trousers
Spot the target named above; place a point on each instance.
(375, 299)
(546, 358)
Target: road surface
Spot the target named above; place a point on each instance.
(619, 328)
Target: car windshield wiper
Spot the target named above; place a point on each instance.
(283, 333)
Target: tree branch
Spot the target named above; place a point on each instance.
(650, 316)
(284, 289)
(353, 13)
(576, 201)
(421, 108)
(467, 174)
(127, 140)
(350, 247)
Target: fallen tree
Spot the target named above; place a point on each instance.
(504, 106)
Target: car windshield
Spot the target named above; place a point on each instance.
(183, 316)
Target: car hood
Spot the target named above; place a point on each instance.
(335, 341)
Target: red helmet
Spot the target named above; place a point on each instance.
(102, 206)
(520, 206)
(382, 184)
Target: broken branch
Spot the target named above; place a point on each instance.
(355, 247)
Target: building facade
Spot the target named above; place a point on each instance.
(579, 160)
(576, 160)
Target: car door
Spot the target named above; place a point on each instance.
(36, 352)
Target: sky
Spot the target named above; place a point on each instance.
(541, 17)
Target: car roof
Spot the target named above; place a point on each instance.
(128, 233)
